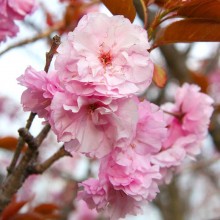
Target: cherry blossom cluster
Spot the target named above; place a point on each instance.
(11, 10)
(91, 103)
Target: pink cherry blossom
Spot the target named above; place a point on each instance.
(99, 52)
(189, 115)
(40, 90)
(96, 122)
(151, 129)
(16, 9)
(130, 172)
(11, 10)
(7, 28)
(126, 181)
(104, 198)
(82, 212)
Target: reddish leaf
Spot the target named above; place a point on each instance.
(144, 8)
(12, 209)
(189, 30)
(9, 143)
(121, 7)
(200, 80)
(159, 77)
(46, 208)
(168, 4)
(28, 216)
(207, 9)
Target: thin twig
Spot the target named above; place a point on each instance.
(42, 35)
(28, 138)
(50, 54)
(17, 174)
(201, 165)
(43, 134)
(20, 144)
(40, 168)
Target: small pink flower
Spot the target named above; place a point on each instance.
(82, 212)
(151, 129)
(189, 115)
(96, 122)
(11, 10)
(130, 172)
(16, 9)
(103, 197)
(41, 88)
(99, 52)
(7, 28)
(126, 181)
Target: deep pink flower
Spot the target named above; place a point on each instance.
(41, 88)
(7, 28)
(189, 115)
(99, 52)
(98, 123)
(11, 10)
(16, 9)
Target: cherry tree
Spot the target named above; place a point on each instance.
(119, 99)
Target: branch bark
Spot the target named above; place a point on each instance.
(17, 174)
(39, 36)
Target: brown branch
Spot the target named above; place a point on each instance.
(176, 63)
(28, 138)
(40, 168)
(39, 36)
(43, 134)
(201, 165)
(17, 174)
(50, 54)
(20, 144)
(15, 180)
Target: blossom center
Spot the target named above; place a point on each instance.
(93, 107)
(105, 58)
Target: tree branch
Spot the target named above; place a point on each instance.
(50, 54)
(42, 35)
(17, 174)
(40, 168)
(43, 134)
(49, 57)
(20, 144)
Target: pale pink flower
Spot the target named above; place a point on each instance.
(41, 88)
(99, 52)
(95, 194)
(151, 129)
(127, 180)
(103, 197)
(82, 212)
(97, 123)
(189, 115)
(130, 172)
